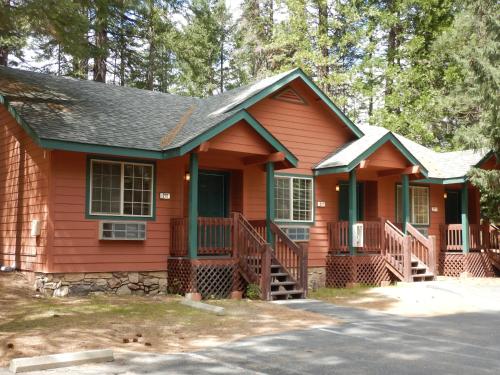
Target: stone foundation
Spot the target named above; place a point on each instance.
(120, 283)
(316, 277)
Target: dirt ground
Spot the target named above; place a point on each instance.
(32, 326)
(444, 296)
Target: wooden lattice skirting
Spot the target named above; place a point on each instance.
(475, 264)
(210, 277)
(361, 269)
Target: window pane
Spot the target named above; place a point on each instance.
(302, 194)
(420, 205)
(105, 187)
(282, 198)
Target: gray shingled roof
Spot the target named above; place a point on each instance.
(442, 165)
(66, 109)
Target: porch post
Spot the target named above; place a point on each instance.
(353, 209)
(193, 206)
(269, 201)
(465, 219)
(405, 190)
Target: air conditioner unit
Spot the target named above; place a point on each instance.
(357, 235)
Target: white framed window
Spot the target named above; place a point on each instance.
(296, 233)
(121, 188)
(419, 205)
(293, 199)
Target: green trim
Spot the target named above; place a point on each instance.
(193, 207)
(389, 137)
(405, 201)
(269, 201)
(441, 181)
(353, 211)
(294, 74)
(239, 116)
(465, 219)
(28, 129)
(485, 158)
(281, 174)
(100, 149)
(90, 216)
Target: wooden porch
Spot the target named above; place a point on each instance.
(388, 254)
(277, 264)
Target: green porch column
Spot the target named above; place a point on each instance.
(269, 200)
(405, 191)
(353, 208)
(465, 219)
(193, 206)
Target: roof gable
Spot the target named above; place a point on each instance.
(251, 94)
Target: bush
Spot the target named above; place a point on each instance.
(252, 291)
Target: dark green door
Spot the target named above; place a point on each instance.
(344, 201)
(213, 202)
(452, 207)
(213, 194)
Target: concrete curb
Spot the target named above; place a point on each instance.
(203, 306)
(46, 362)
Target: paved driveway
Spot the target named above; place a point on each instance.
(365, 342)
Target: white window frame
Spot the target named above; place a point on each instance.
(122, 188)
(412, 204)
(291, 178)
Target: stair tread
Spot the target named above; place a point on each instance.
(419, 275)
(285, 292)
(277, 283)
(279, 274)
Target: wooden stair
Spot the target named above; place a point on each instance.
(283, 286)
(420, 271)
(404, 254)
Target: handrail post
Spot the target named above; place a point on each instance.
(433, 255)
(265, 273)
(303, 265)
(235, 224)
(382, 236)
(407, 258)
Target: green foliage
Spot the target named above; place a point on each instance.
(253, 291)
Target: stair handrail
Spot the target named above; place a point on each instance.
(254, 254)
(398, 251)
(422, 248)
(291, 256)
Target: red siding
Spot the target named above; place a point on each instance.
(309, 131)
(76, 243)
(24, 182)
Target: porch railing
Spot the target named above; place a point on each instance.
(215, 236)
(480, 237)
(373, 235)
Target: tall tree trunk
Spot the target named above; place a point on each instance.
(101, 44)
(4, 49)
(323, 68)
(4, 55)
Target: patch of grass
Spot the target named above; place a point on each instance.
(340, 293)
(46, 313)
